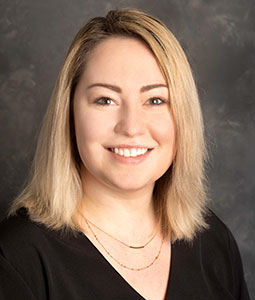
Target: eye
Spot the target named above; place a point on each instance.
(103, 101)
(156, 101)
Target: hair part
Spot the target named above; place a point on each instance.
(54, 190)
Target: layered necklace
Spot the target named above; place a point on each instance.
(89, 223)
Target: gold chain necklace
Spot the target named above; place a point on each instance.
(129, 246)
(119, 263)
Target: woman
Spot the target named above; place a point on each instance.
(116, 205)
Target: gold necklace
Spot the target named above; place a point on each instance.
(129, 246)
(119, 263)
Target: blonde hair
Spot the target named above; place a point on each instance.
(54, 191)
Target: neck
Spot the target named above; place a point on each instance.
(125, 214)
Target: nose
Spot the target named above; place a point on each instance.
(131, 121)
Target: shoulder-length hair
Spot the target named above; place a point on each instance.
(54, 190)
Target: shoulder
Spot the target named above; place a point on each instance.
(23, 241)
(212, 260)
(20, 255)
(212, 245)
(18, 230)
(217, 242)
(30, 253)
(26, 244)
(221, 257)
(217, 233)
(20, 240)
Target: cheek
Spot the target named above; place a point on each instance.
(164, 130)
(90, 128)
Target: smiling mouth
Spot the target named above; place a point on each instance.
(133, 152)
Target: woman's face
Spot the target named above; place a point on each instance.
(121, 104)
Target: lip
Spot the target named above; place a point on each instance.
(130, 160)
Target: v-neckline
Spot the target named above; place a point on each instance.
(121, 278)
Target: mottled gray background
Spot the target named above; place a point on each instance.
(219, 38)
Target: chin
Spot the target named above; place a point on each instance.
(131, 186)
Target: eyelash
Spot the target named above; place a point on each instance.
(158, 98)
(106, 98)
(101, 98)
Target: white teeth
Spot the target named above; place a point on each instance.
(126, 153)
(133, 152)
(140, 151)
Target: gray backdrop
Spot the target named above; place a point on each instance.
(219, 38)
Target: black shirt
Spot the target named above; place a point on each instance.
(38, 263)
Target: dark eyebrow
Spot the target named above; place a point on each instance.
(118, 89)
(108, 86)
(152, 86)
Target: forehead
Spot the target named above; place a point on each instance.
(121, 59)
